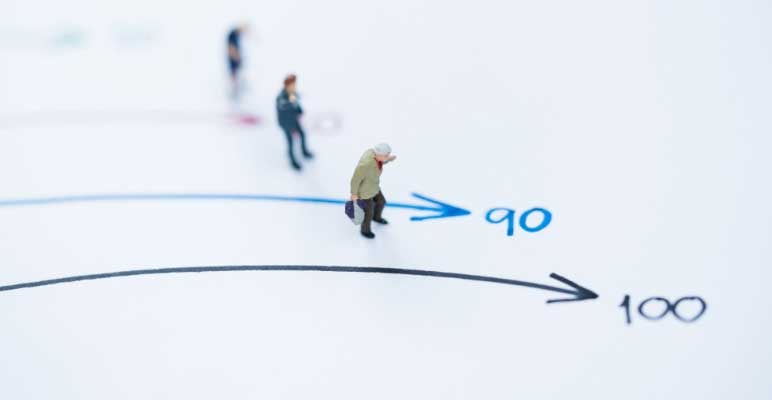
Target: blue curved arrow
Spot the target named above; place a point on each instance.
(440, 209)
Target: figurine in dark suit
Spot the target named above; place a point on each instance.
(288, 112)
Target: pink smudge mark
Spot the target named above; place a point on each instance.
(246, 119)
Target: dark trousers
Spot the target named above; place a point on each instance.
(288, 130)
(373, 210)
(234, 67)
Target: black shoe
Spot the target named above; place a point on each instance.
(308, 155)
(295, 165)
(368, 235)
(381, 221)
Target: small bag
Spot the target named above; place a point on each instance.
(356, 211)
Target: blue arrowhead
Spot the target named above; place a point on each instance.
(444, 210)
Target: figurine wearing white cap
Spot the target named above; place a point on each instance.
(365, 185)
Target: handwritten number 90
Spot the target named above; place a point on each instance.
(499, 215)
(645, 308)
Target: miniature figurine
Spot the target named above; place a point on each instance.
(234, 55)
(289, 111)
(365, 185)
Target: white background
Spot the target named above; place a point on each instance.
(643, 126)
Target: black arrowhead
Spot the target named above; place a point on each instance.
(580, 293)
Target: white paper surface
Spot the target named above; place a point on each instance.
(642, 128)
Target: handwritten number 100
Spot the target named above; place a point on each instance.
(668, 308)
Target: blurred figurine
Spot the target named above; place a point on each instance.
(289, 111)
(234, 54)
(365, 185)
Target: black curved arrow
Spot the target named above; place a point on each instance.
(577, 292)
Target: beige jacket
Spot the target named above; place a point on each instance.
(366, 181)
